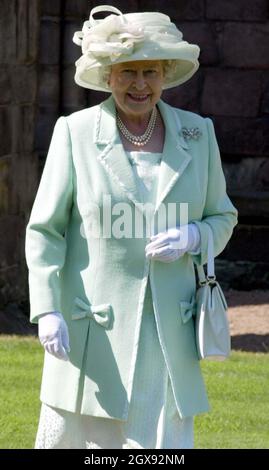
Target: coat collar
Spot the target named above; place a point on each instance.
(115, 161)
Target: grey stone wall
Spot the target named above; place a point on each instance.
(19, 32)
(37, 58)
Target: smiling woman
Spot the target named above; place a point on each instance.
(115, 312)
(169, 69)
(138, 82)
(137, 87)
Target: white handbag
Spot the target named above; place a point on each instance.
(213, 338)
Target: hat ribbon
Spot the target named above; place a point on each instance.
(110, 37)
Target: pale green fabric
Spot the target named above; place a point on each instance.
(93, 279)
(153, 419)
(146, 167)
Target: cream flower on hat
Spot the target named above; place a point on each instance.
(111, 38)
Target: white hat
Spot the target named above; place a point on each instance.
(129, 37)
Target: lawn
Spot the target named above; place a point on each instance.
(20, 375)
(238, 392)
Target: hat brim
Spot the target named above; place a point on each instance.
(186, 61)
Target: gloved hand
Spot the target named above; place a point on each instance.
(53, 334)
(173, 243)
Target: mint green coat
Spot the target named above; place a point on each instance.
(98, 282)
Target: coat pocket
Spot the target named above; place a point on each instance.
(187, 309)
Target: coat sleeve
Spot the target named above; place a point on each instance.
(45, 243)
(219, 212)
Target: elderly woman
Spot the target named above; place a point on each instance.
(121, 217)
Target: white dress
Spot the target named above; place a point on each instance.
(153, 419)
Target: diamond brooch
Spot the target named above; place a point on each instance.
(191, 133)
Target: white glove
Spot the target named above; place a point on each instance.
(53, 334)
(173, 243)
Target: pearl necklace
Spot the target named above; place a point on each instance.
(139, 140)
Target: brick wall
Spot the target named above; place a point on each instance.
(37, 58)
(19, 32)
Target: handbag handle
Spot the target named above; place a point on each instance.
(203, 279)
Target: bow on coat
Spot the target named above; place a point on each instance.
(187, 309)
(102, 313)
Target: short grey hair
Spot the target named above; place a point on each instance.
(106, 73)
(169, 68)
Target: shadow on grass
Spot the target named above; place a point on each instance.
(251, 342)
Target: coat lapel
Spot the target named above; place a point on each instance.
(175, 153)
(112, 155)
(115, 161)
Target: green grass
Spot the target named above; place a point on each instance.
(20, 376)
(238, 393)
